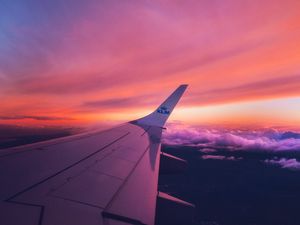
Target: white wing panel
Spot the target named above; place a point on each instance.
(136, 200)
(33, 164)
(107, 177)
(91, 179)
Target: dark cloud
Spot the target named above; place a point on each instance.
(21, 117)
(11, 135)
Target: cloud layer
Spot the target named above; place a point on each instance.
(279, 147)
(233, 139)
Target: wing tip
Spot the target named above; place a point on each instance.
(184, 85)
(162, 113)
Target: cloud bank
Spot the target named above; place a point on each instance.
(233, 139)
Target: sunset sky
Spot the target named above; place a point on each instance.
(77, 62)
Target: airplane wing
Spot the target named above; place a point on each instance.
(100, 177)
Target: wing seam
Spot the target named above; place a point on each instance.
(10, 199)
(125, 181)
(121, 218)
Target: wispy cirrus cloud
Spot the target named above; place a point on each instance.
(124, 102)
(262, 88)
(111, 103)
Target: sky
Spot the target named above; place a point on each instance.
(76, 62)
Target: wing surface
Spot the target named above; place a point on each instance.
(99, 177)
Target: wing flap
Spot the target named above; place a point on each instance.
(137, 197)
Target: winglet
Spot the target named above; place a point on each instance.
(162, 113)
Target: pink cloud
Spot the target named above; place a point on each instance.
(220, 157)
(232, 139)
(207, 150)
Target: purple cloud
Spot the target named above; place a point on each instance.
(291, 164)
(219, 157)
(232, 139)
(207, 150)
